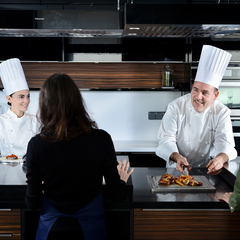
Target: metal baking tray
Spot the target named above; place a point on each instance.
(207, 187)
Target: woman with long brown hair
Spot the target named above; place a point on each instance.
(70, 156)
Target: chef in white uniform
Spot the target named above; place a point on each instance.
(196, 130)
(16, 126)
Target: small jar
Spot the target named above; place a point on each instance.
(167, 80)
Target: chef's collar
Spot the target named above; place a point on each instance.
(14, 115)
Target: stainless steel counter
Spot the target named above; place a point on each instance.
(12, 174)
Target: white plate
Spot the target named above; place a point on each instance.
(167, 87)
(3, 159)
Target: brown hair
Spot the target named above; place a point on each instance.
(61, 110)
(8, 101)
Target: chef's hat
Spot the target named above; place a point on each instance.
(212, 65)
(12, 76)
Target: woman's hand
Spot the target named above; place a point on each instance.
(123, 170)
(43, 190)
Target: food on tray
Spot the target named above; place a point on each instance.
(167, 179)
(11, 157)
(183, 180)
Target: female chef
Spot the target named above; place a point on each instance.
(16, 126)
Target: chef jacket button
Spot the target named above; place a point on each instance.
(199, 165)
(206, 142)
(202, 155)
(189, 124)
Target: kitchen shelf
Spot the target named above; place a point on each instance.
(110, 75)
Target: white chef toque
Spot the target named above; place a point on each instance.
(212, 65)
(12, 76)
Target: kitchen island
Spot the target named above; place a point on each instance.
(182, 215)
(148, 215)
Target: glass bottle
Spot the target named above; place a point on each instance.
(167, 80)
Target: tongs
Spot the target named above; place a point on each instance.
(185, 171)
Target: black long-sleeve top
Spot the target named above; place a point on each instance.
(72, 171)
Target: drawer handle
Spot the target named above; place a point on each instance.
(5, 235)
(5, 210)
(172, 209)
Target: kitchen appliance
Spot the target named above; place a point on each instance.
(182, 20)
(122, 19)
(235, 117)
(229, 94)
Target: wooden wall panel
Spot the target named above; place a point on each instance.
(106, 75)
(186, 225)
(10, 221)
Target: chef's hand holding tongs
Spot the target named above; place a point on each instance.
(182, 163)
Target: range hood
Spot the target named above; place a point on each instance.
(84, 33)
(216, 21)
(60, 23)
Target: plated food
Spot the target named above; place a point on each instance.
(11, 157)
(183, 180)
(14, 159)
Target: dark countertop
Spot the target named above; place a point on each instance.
(143, 197)
(13, 186)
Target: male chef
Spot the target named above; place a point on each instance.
(196, 130)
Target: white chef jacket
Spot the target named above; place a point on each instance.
(196, 136)
(15, 133)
